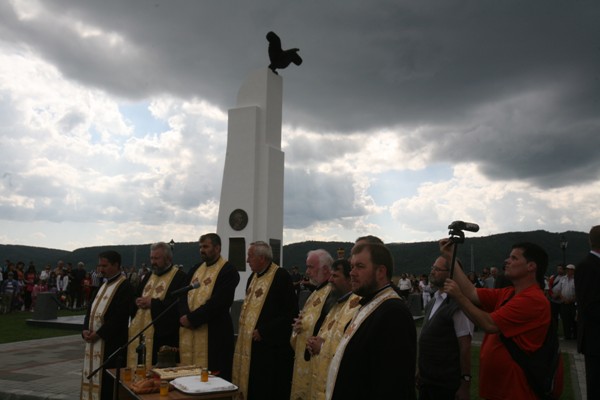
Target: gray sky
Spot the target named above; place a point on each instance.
(403, 117)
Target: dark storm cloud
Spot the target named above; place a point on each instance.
(319, 197)
(368, 65)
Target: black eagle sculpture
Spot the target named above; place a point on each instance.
(279, 58)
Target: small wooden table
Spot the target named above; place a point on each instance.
(125, 393)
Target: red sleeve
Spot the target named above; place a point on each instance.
(525, 318)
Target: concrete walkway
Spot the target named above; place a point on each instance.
(51, 368)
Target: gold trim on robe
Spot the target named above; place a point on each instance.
(331, 331)
(193, 343)
(311, 312)
(156, 288)
(253, 303)
(362, 314)
(94, 352)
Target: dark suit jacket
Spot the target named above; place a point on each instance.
(587, 292)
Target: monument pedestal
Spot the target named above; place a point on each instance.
(46, 306)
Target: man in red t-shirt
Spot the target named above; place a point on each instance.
(521, 313)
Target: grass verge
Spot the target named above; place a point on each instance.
(14, 328)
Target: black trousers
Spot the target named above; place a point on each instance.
(567, 314)
(592, 373)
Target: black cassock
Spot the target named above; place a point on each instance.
(272, 358)
(379, 360)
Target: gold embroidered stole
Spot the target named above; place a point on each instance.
(363, 313)
(302, 369)
(331, 330)
(94, 352)
(193, 343)
(253, 303)
(156, 288)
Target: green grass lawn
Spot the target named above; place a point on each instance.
(14, 328)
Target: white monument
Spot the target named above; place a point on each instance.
(251, 206)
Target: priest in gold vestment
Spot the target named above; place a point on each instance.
(154, 298)
(206, 333)
(322, 347)
(308, 323)
(263, 358)
(105, 327)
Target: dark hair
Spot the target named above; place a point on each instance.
(369, 239)
(112, 256)
(534, 253)
(342, 265)
(213, 237)
(380, 255)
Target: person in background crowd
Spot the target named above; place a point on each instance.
(425, 288)
(45, 274)
(490, 280)
(60, 265)
(20, 273)
(30, 281)
(77, 284)
(405, 286)
(587, 282)
(62, 285)
(296, 279)
(96, 282)
(87, 289)
(565, 291)
(8, 290)
(52, 279)
(555, 301)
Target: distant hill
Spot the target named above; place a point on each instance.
(415, 258)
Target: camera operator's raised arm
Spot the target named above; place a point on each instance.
(464, 292)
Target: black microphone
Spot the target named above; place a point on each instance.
(464, 226)
(185, 289)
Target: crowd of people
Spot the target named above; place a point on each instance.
(20, 287)
(74, 287)
(353, 337)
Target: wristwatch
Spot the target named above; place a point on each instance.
(466, 378)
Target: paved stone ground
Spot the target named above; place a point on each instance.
(51, 368)
(41, 369)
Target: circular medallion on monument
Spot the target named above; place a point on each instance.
(238, 219)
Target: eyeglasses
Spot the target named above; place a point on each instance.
(436, 269)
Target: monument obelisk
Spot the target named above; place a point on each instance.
(251, 205)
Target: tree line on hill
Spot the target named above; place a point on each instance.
(414, 258)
